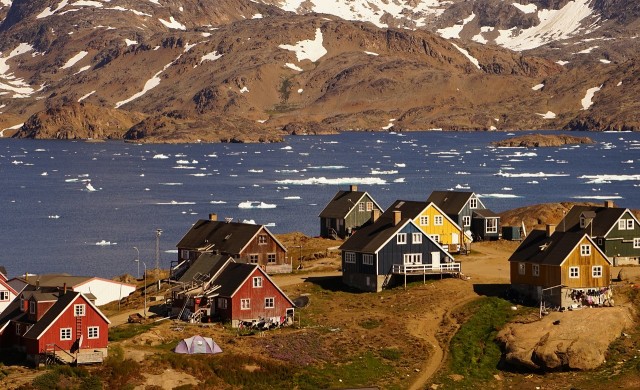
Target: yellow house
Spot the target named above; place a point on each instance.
(433, 222)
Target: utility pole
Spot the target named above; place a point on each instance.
(158, 233)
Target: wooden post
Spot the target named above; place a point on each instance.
(405, 279)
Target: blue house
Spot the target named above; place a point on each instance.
(391, 246)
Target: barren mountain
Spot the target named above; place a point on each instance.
(240, 70)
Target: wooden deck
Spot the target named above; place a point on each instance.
(425, 269)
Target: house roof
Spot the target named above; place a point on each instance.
(411, 209)
(232, 277)
(205, 264)
(372, 237)
(3, 272)
(549, 250)
(221, 236)
(604, 218)
(451, 202)
(11, 312)
(485, 213)
(343, 202)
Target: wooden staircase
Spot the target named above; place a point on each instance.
(387, 278)
(54, 354)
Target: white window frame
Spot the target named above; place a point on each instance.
(412, 258)
(473, 203)
(32, 307)
(522, 268)
(583, 221)
(574, 272)
(636, 242)
(350, 257)
(257, 282)
(493, 228)
(271, 258)
(262, 239)
(630, 224)
(18, 329)
(245, 304)
(435, 237)
(361, 206)
(184, 253)
(269, 303)
(222, 303)
(535, 269)
(367, 259)
(4, 296)
(424, 220)
(416, 238)
(254, 258)
(622, 224)
(93, 332)
(21, 303)
(466, 220)
(596, 271)
(65, 334)
(585, 250)
(79, 310)
(401, 238)
(438, 220)
(369, 206)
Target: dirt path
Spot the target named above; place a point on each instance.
(123, 317)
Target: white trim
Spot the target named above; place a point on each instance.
(400, 227)
(266, 276)
(401, 238)
(636, 242)
(273, 303)
(242, 303)
(256, 282)
(626, 211)
(585, 250)
(535, 270)
(66, 330)
(593, 246)
(262, 227)
(593, 271)
(67, 307)
(522, 268)
(356, 202)
(577, 273)
(97, 336)
(367, 259)
(414, 236)
(349, 257)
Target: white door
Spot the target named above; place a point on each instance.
(435, 259)
(455, 238)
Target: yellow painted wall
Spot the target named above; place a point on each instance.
(444, 231)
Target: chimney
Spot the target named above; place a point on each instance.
(213, 217)
(38, 284)
(397, 216)
(375, 214)
(609, 204)
(353, 188)
(551, 228)
(64, 288)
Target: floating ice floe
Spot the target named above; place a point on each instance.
(53, 216)
(378, 172)
(174, 202)
(498, 196)
(160, 156)
(536, 174)
(90, 187)
(462, 187)
(334, 181)
(461, 173)
(292, 197)
(327, 167)
(270, 224)
(255, 205)
(217, 202)
(507, 189)
(400, 165)
(255, 170)
(399, 180)
(170, 184)
(627, 162)
(249, 221)
(597, 179)
(598, 197)
(533, 182)
(105, 243)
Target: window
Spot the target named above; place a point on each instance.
(271, 258)
(184, 253)
(79, 310)
(257, 282)
(416, 238)
(65, 333)
(367, 259)
(4, 296)
(262, 239)
(491, 225)
(596, 271)
(93, 332)
(585, 250)
(582, 222)
(361, 206)
(245, 304)
(412, 258)
(401, 238)
(535, 270)
(21, 303)
(466, 220)
(222, 303)
(629, 224)
(473, 203)
(253, 258)
(369, 206)
(600, 241)
(435, 237)
(32, 307)
(424, 220)
(437, 220)
(622, 224)
(636, 242)
(522, 268)
(349, 257)
(574, 272)
(18, 328)
(269, 303)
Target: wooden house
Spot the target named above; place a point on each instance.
(237, 292)
(615, 230)
(7, 292)
(560, 268)
(468, 211)
(347, 212)
(388, 247)
(433, 221)
(52, 325)
(246, 243)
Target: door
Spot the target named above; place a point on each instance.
(455, 239)
(435, 260)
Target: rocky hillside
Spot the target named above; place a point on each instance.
(241, 70)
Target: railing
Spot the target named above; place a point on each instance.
(51, 352)
(425, 268)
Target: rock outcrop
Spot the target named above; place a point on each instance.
(542, 140)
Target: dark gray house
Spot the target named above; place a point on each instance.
(388, 247)
(468, 211)
(347, 212)
(615, 230)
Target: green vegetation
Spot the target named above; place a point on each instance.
(370, 323)
(285, 90)
(357, 372)
(127, 331)
(66, 377)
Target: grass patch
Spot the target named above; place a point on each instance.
(391, 353)
(474, 353)
(127, 331)
(67, 377)
(366, 370)
(370, 323)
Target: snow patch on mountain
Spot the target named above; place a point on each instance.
(473, 60)
(526, 8)
(454, 31)
(307, 49)
(173, 24)
(75, 59)
(587, 100)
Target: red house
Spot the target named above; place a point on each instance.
(50, 325)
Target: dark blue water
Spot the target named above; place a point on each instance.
(51, 222)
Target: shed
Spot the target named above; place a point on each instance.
(511, 233)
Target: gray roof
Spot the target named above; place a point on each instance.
(604, 218)
(408, 208)
(61, 304)
(232, 277)
(342, 203)
(541, 249)
(221, 236)
(371, 237)
(451, 202)
(485, 213)
(206, 264)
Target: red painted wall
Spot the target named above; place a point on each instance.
(257, 297)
